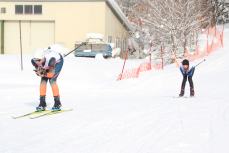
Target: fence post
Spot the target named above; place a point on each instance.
(124, 64)
(21, 45)
(162, 61)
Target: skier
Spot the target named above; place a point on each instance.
(48, 64)
(187, 74)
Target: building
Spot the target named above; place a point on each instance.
(39, 23)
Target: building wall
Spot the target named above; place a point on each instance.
(1, 37)
(115, 29)
(72, 19)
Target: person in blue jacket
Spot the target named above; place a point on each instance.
(187, 74)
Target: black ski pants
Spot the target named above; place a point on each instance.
(185, 77)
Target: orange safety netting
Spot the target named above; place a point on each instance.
(214, 40)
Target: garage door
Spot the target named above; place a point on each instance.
(34, 35)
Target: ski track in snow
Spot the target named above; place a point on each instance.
(130, 116)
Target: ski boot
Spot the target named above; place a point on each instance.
(192, 92)
(181, 93)
(42, 105)
(57, 104)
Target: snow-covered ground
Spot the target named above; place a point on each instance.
(130, 116)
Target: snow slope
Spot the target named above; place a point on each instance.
(130, 116)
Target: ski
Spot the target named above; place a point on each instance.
(30, 113)
(49, 113)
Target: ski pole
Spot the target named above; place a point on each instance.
(200, 62)
(82, 44)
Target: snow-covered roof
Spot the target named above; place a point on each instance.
(111, 3)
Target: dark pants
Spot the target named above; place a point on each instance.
(185, 77)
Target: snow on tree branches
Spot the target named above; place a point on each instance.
(173, 24)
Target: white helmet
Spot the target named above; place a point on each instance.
(39, 54)
(47, 51)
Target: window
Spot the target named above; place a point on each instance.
(123, 44)
(109, 39)
(117, 42)
(37, 9)
(18, 9)
(28, 9)
(3, 10)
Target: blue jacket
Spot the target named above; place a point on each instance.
(188, 73)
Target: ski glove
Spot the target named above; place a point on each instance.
(40, 71)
